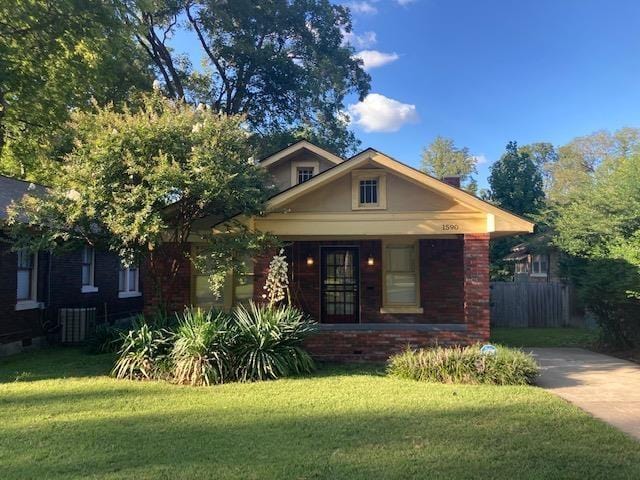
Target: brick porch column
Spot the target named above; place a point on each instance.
(476, 286)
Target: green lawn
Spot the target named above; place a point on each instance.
(61, 417)
(544, 337)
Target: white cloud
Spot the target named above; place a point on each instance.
(404, 3)
(480, 159)
(362, 7)
(366, 40)
(377, 113)
(375, 59)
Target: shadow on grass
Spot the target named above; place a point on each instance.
(58, 362)
(52, 363)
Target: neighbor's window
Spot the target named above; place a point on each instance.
(26, 279)
(522, 267)
(128, 281)
(304, 174)
(539, 265)
(88, 266)
(401, 275)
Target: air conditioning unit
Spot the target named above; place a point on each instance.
(76, 324)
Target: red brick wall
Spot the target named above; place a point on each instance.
(442, 280)
(376, 345)
(162, 287)
(454, 288)
(476, 285)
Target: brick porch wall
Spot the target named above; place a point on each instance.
(476, 286)
(454, 290)
(368, 346)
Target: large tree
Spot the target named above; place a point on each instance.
(516, 182)
(443, 159)
(598, 224)
(56, 56)
(281, 63)
(138, 180)
(580, 158)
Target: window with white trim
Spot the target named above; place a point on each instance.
(304, 174)
(369, 189)
(129, 281)
(369, 192)
(243, 283)
(303, 170)
(26, 276)
(539, 265)
(88, 267)
(401, 275)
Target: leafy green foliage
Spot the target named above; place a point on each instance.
(443, 159)
(105, 339)
(516, 185)
(267, 342)
(201, 348)
(55, 56)
(140, 178)
(283, 64)
(598, 224)
(207, 347)
(516, 182)
(464, 365)
(143, 353)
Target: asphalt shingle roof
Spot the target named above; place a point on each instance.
(12, 189)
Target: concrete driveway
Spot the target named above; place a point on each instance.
(606, 387)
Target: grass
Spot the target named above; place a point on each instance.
(544, 337)
(61, 417)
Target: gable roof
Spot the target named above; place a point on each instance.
(410, 173)
(296, 147)
(12, 190)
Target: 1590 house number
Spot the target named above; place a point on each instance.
(449, 226)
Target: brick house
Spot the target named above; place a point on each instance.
(381, 254)
(33, 288)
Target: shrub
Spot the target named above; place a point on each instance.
(465, 365)
(268, 342)
(143, 354)
(200, 354)
(105, 339)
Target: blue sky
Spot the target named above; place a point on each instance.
(486, 72)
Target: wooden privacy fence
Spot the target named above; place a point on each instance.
(529, 304)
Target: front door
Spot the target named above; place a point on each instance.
(340, 281)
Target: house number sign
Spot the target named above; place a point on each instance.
(449, 226)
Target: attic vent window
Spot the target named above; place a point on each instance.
(369, 192)
(304, 174)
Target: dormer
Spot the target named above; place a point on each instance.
(298, 163)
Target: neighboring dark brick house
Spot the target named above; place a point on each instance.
(382, 255)
(33, 289)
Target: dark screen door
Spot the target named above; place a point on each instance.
(340, 280)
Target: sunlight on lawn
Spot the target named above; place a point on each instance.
(62, 418)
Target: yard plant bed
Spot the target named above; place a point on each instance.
(61, 416)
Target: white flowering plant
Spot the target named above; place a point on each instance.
(277, 283)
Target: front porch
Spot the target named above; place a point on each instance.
(374, 297)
